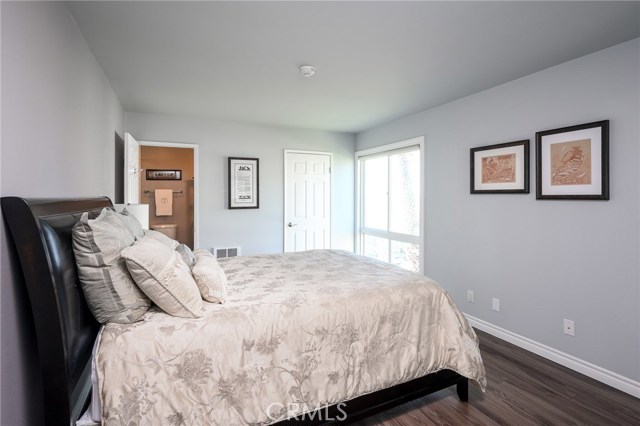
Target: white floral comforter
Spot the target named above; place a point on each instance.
(299, 331)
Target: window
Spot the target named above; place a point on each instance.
(390, 203)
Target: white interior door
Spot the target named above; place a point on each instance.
(132, 170)
(307, 216)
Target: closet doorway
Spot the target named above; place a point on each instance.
(165, 176)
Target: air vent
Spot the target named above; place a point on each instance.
(226, 252)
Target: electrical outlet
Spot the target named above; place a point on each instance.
(569, 327)
(495, 305)
(471, 297)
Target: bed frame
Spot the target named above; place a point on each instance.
(66, 329)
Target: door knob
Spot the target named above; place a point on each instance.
(291, 225)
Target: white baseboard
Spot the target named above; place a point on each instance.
(600, 374)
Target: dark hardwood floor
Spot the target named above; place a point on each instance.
(523, 389)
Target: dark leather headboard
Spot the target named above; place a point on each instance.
(65, 328)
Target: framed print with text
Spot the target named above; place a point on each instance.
(164, 174)
(244, 183)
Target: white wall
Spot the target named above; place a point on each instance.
(546, 260)
(59, 118)
(255, 230)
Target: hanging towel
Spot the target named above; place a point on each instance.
(164, 202)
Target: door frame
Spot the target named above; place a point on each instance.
(284, 187)
(196, 181)
(127, 193)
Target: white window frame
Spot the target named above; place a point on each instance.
(420, 240)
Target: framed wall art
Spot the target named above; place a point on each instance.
(501, 168)
(244, 182)
(164, 174)
(572, 163)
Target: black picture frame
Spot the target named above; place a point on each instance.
(512, 179)
(157, 174)
(243, 183)
(572, 163)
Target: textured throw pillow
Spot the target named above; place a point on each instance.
(159, 236)
(132, 223)
(110, 291)
(187, 255)
(211, 279)
(162, 275)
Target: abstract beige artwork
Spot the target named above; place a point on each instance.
(499, 168)
(571, 163)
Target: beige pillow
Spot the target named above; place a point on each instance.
(159, 236)
(162, 275)
(110, 291)
(211, 279)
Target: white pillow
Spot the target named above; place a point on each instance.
(209, 276)
(132, 223)
(162, 275)
(187, 255)
(159, 236)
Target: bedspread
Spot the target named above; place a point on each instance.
(299, 331)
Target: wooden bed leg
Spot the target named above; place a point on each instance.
(462, 388)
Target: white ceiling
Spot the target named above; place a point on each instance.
(376, 61)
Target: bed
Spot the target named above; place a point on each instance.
(297, 334)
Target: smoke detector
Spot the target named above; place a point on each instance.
(307, 71)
